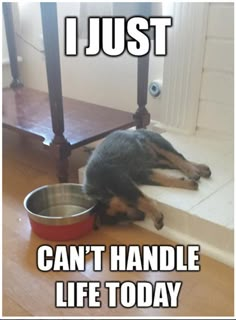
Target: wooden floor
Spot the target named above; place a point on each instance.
(29, 292)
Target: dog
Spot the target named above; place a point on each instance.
(126, 159)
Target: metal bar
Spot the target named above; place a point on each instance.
(11, 43)
(143, 70)
(51, 46)
(142, 115)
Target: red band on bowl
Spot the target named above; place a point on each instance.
(63, 232)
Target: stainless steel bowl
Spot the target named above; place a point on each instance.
(58, 204)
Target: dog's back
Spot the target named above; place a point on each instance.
(123, 157)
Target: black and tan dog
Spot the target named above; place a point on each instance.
(127, 159)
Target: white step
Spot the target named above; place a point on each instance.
(204, 216)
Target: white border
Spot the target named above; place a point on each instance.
(1, 257)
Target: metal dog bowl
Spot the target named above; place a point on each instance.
(60, 211)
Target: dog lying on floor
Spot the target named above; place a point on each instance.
(126, 159)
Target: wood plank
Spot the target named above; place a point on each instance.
(13, 308)
(27, 110)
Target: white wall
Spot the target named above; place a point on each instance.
(5, 56)
(102, 80)
(6, 72)
(216, 107)
(183, 66)
(5, 59)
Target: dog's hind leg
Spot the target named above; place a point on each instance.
(178, 161)
(204, 169)
(171, 158)
(161, 179)
(165, 164)
(174, 160)
(191, 169)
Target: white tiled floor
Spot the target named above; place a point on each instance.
(218, 207)
(214, 199)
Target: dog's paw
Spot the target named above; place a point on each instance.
(195, 175)
(159, 222)
(193, 185)
(205, 171)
